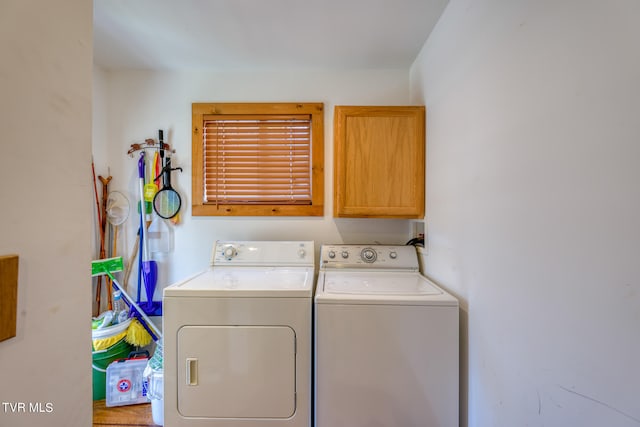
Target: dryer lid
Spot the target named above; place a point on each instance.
(276, 282)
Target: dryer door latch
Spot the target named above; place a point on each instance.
(192, 371)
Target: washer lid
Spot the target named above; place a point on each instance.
(380, 288)
(379, 284)
(245, 282)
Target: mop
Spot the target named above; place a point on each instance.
(142, 330)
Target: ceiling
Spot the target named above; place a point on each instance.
(261, 34)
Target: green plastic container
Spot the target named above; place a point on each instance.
(102, 359)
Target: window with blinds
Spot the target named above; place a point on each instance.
(258, 159)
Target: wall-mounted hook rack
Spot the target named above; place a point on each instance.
(149, 143)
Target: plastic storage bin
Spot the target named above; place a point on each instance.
(156, 384)
(154, 373)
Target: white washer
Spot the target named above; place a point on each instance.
(237, 338)
(386, 341)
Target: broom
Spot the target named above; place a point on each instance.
(142, 330)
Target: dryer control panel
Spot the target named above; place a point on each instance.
(263, 253)
(369, 256)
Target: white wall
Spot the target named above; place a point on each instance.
(45, 118)
(533, 205)
(141, 102)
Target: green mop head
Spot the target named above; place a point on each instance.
(106, 266)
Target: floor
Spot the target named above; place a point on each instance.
(129, 415)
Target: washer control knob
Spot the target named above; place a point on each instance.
(332, 254)
(229, 252)
(301, 252)
(368, 255)
(393, 255)
(345, 254)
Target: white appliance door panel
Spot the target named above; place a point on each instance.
(392, 366)
(236, 371)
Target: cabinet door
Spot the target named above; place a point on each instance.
(379, 156)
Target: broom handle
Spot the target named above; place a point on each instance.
(136, 306)
(95, 191)
(103, 229)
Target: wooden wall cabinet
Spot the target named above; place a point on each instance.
(379, 158)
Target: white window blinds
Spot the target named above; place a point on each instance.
(262, 159)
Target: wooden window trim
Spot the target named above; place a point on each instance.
(315, 110)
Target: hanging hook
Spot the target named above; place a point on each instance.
(149, 143)
(167, 168)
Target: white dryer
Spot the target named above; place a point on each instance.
(237, 338)
(386, 341)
